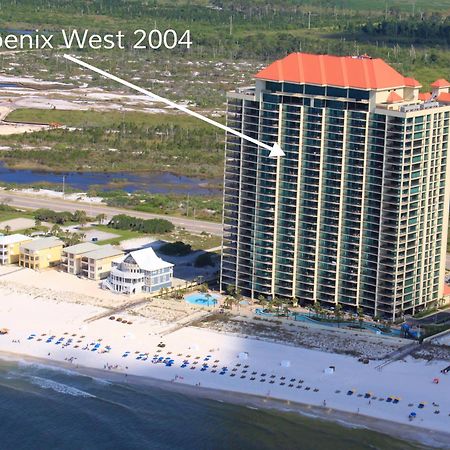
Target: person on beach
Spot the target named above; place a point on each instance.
(324, 403)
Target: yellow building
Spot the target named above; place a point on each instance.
(72, 256)
(96, 265)
(10, 247)
(41, 253)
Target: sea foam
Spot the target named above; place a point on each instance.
(45, 383)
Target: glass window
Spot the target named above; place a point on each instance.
(273, 86)
(358, 94)
(314, 90)
(294, 88)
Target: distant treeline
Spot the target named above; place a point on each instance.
(431, 30)
(124, 222)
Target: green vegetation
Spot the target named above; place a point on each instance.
(432, 329)
(8, 212)
(60, 218)
(198, 207)
(114, 141)
(231, 41)
(203, 260)
(176, 249)
(149, 226)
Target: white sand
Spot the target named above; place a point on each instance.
(410, 380)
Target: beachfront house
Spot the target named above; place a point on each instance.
(10, 247)
(41, 253)
(96, 264)
(72, 256)
(139, 271)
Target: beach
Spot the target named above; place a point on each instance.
(229, 367)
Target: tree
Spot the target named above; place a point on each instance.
(277, 302)
(37, 223)
(317, 308)
(338, 313)
(228, 302)
(230, 290)
(203, 288)
(56, 230)
(100, 218)
(262, 300)
(7, 229)
(80, 216)
(360, 313)
(208, 297)
(204, 259)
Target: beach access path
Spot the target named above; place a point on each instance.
(231, 364)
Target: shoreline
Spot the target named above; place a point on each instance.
(400, 431)
(243, 370)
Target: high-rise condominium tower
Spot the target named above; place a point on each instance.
(356, 212)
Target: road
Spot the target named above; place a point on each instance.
(30, 201)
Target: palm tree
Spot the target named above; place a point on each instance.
(7, 229)
(277, 302)
(80, 216)
(203, 288)
(56, 230)
(317, 308)
(360, 313)
(231, 290)
(100, 218)
(228, 302)
(338, 313)
(262, 300)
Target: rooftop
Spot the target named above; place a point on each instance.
(79, 249)
(42, 243)
(147, 259)
(441, 83)
(444, 97)
(105, 251)
(13, 238)
(344, 71)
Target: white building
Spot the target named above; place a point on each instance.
(139, 271)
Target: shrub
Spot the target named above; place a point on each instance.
(205, 259)
(124, 222)
(47, 215)
(176, 249)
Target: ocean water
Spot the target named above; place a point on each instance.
(42, 407)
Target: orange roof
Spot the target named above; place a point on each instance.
(441, 83)
(412, 82)
(345, 71)
(446, 289)
(394, 97)
(424, 96)
(444, 97)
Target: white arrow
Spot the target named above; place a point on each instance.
(275, 149)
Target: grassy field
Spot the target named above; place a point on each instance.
(114, 141)
(110, 119)
(197, 241)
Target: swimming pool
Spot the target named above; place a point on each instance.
(200, 299)
(302, 317)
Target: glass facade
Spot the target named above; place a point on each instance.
(354, 211)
